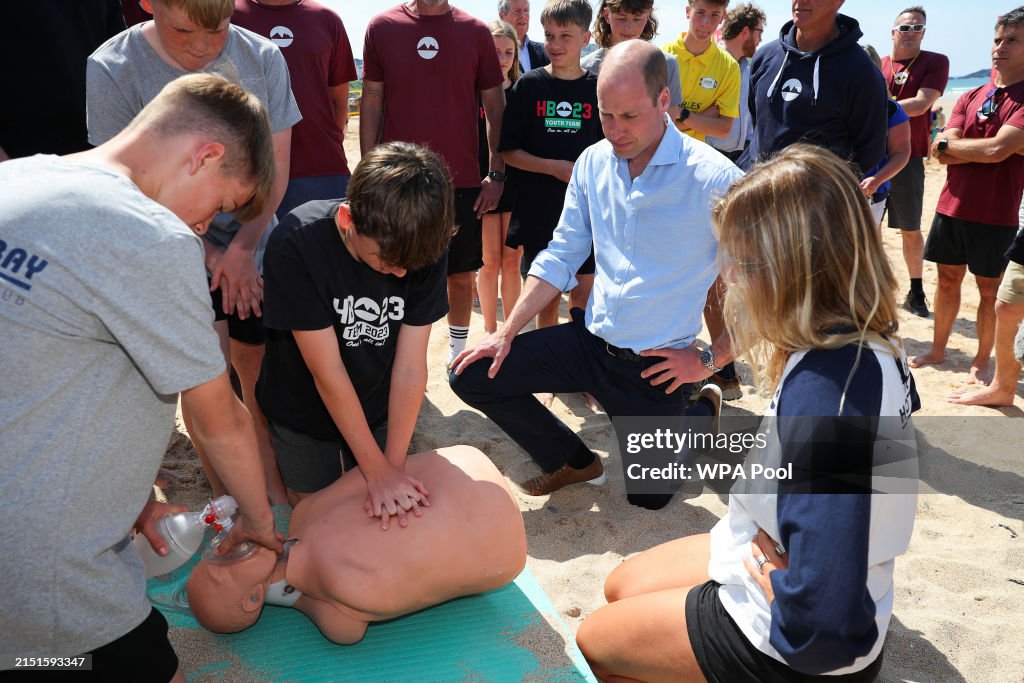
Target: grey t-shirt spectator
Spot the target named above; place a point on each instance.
(125, 73)
(592, 63)
(736, 140)
(106, 318)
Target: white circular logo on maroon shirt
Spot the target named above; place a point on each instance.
(281, 36)
(427, 47)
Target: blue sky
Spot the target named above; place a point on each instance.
(961, 30)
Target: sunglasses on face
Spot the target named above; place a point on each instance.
(989, 106)
(906, 28)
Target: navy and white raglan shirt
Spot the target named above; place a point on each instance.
(833, 97)
(312, 282)
(833, 604)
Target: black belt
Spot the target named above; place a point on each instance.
(622, 354)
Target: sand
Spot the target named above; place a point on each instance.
(959, 588)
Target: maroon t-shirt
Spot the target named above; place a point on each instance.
(433, 68)
(929, 70)
(316, 48)
(985, 193)
(133, 13)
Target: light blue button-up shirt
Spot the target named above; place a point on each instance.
(653, 240)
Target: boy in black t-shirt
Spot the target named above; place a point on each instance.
(550, 118)
(351, 289)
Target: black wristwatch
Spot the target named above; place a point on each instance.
(707, 359)
(496, 176)
(942, 146)
(684, 114)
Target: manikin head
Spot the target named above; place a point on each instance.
(226, 594)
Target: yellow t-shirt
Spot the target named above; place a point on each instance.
(709, 78)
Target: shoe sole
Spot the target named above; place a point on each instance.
(919, 312)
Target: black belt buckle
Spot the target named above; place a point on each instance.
(622, 354)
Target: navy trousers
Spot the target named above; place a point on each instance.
(564, 358)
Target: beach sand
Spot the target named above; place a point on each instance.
(959, 588)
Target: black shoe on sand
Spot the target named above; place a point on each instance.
(916, 304)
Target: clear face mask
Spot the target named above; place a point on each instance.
(241, 552)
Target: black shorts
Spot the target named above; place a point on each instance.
(248, 331)
(142, 654)
(465, 253)
(906, 193)
(308, 464)
(508, 192)
(529, 255)
(955, 242)
(726, 656)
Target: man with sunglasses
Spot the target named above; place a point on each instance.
(976, 217)
(916, 79)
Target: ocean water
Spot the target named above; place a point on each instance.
(962, 85)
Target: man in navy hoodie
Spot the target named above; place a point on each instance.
(815, 84)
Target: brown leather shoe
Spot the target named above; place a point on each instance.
(562, 477)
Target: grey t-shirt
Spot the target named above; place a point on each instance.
(125, 73)
(736, 140)
(592, 63)
(105, 318)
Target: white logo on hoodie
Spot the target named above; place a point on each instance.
(791, 89)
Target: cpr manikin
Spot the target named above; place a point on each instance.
(343, 571)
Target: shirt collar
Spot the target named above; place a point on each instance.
(703, 57)
(670, 148)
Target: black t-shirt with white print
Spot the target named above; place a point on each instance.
(312, 282)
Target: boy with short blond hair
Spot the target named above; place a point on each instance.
(106, 315)
(550, 118)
